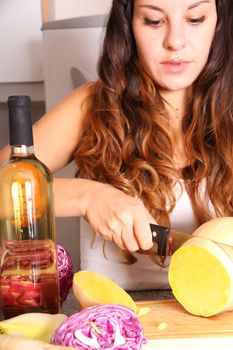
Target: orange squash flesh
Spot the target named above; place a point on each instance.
(201, 277)
(91, 288)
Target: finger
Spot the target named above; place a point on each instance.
(127, 228)
(114, 227)
(130, 243)
(136, 228)
(128, 236)
(114, 237)
(104, 232)
(143, 233)
(117, 239)
(123, 235)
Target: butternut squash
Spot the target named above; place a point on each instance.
(38, 326)
(219, 230)
(91, 289)
(201, 270)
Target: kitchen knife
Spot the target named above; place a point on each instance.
(166, 240)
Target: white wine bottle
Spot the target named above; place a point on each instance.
(28, 253)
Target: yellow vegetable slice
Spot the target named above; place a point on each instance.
(142, 311)
(201, 277)
(162, 326)
(93, 289)
(218, 230)
(39, 326)
(12, 342)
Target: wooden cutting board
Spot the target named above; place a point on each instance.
(169, 326)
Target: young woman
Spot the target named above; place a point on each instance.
(152, 138)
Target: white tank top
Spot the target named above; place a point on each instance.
(144, 274)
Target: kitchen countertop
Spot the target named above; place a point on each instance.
(71, 305)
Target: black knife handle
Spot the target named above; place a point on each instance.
(159, 236)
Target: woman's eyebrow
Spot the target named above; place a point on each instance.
(198, 3)
(156, 8)
(152, 7)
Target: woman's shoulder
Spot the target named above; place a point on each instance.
(74, 105)
(81, 93)
(62, 122)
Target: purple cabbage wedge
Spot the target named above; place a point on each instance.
(107, 326)
(65, 272)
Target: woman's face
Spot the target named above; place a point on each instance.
(173, 39)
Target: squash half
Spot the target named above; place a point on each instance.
(201, 271)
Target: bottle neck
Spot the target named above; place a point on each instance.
(20, 123)
(22, 151)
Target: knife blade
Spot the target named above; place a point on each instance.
(167, 240)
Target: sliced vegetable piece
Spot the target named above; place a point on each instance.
(142, 311)
(218, 230)
(201, 277)
(11, 342)
(65, 272)
(101, 327)
(94, 289)
(38, 326)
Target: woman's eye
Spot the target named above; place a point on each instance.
(154, 23)
(195, 21)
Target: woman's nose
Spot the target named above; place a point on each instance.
(175, 37)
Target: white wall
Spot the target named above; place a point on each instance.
(20, 41)
(62, 9)
(21, 49)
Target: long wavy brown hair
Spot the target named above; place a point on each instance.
(126, 138)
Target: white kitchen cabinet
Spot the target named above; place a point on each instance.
(54, 10)
(71, 52)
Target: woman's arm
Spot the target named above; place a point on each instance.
(56, 134)
(112, 214)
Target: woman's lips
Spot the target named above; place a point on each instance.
(175, 66)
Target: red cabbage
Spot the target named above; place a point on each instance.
(65, 272)
(107, 326)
